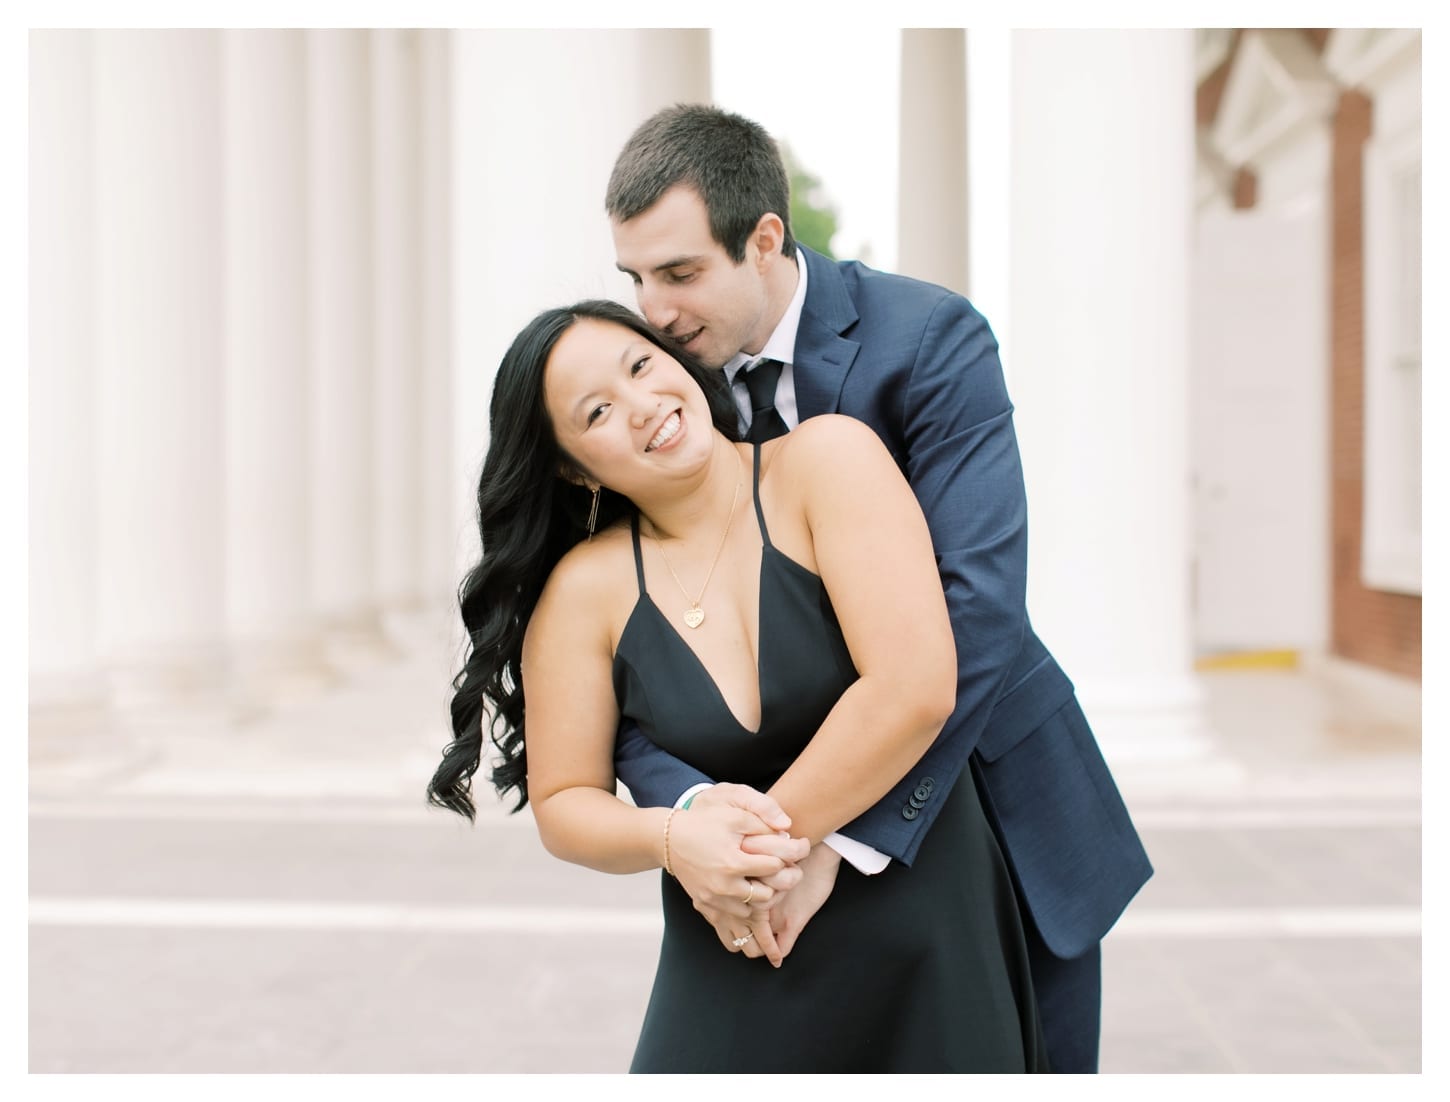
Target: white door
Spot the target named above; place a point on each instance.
(1259, 422)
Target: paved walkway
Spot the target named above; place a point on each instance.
(272, 897)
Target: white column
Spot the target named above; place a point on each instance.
(268, 598)
(672, 66)
(62, 468)
(1102, 165)
(159, 354)
(530, 230)
(932, 203)
(436, 579)
(989, 181)
(529, 227)
(397, 382)
(341, 251)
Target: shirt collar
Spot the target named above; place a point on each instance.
(781, 345)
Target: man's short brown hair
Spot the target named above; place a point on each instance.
(730, 162)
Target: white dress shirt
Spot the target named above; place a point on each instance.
(780, 346)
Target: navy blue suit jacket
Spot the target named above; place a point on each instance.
(919, 365)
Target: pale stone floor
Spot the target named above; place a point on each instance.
(271, 897)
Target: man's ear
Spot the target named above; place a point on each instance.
(768, 237)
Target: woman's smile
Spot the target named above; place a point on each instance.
(667, 433)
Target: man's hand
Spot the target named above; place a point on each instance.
(777, 843)
(745, 798)
(791, 913)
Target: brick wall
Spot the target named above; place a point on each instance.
(1366, 625)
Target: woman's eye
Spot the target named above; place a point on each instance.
(595, 413)
(638, 365)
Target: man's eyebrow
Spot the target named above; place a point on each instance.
(673, 262)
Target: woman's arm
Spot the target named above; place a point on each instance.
(570, 719)
(873, 551)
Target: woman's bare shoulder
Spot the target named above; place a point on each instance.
(593, 573)
(828, 441)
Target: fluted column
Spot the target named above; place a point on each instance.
(435, 579)
(1101, 206)
(932, 210)
(397, 382)
(673, 66)
(159, 354)
(530, 230)
(62, 469)
(341, 250)
(989, 181)
(268, 594)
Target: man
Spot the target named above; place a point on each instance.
(699, 206)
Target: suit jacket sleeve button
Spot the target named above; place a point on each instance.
(922, 793)
(909, 812)
(927, 783)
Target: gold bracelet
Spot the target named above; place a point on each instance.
(668, 818)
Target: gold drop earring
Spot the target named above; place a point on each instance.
(593, 513)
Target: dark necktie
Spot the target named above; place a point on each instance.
(766, 422)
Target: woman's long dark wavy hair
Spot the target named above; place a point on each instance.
(529, 515)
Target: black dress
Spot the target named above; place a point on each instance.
(920, 969)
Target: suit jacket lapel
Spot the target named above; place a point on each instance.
(822, 356)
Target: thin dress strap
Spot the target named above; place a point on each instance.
(759, 513)
(638, 558)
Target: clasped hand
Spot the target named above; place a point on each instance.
(754, 883)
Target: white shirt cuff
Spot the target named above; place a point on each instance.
(861, 856)
(687, 793)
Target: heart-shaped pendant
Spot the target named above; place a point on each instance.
(694, 617)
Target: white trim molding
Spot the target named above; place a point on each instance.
(1364, 57)
(1277, 87)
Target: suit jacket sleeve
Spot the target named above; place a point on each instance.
(654, 777)
(959, 451)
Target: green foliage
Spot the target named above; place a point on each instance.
(812, 214)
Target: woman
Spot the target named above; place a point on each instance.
(733, 602)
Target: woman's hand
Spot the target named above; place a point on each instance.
(752, 937)
(771, 931)
(728, 858)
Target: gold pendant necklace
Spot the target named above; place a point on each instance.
(695, 615)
